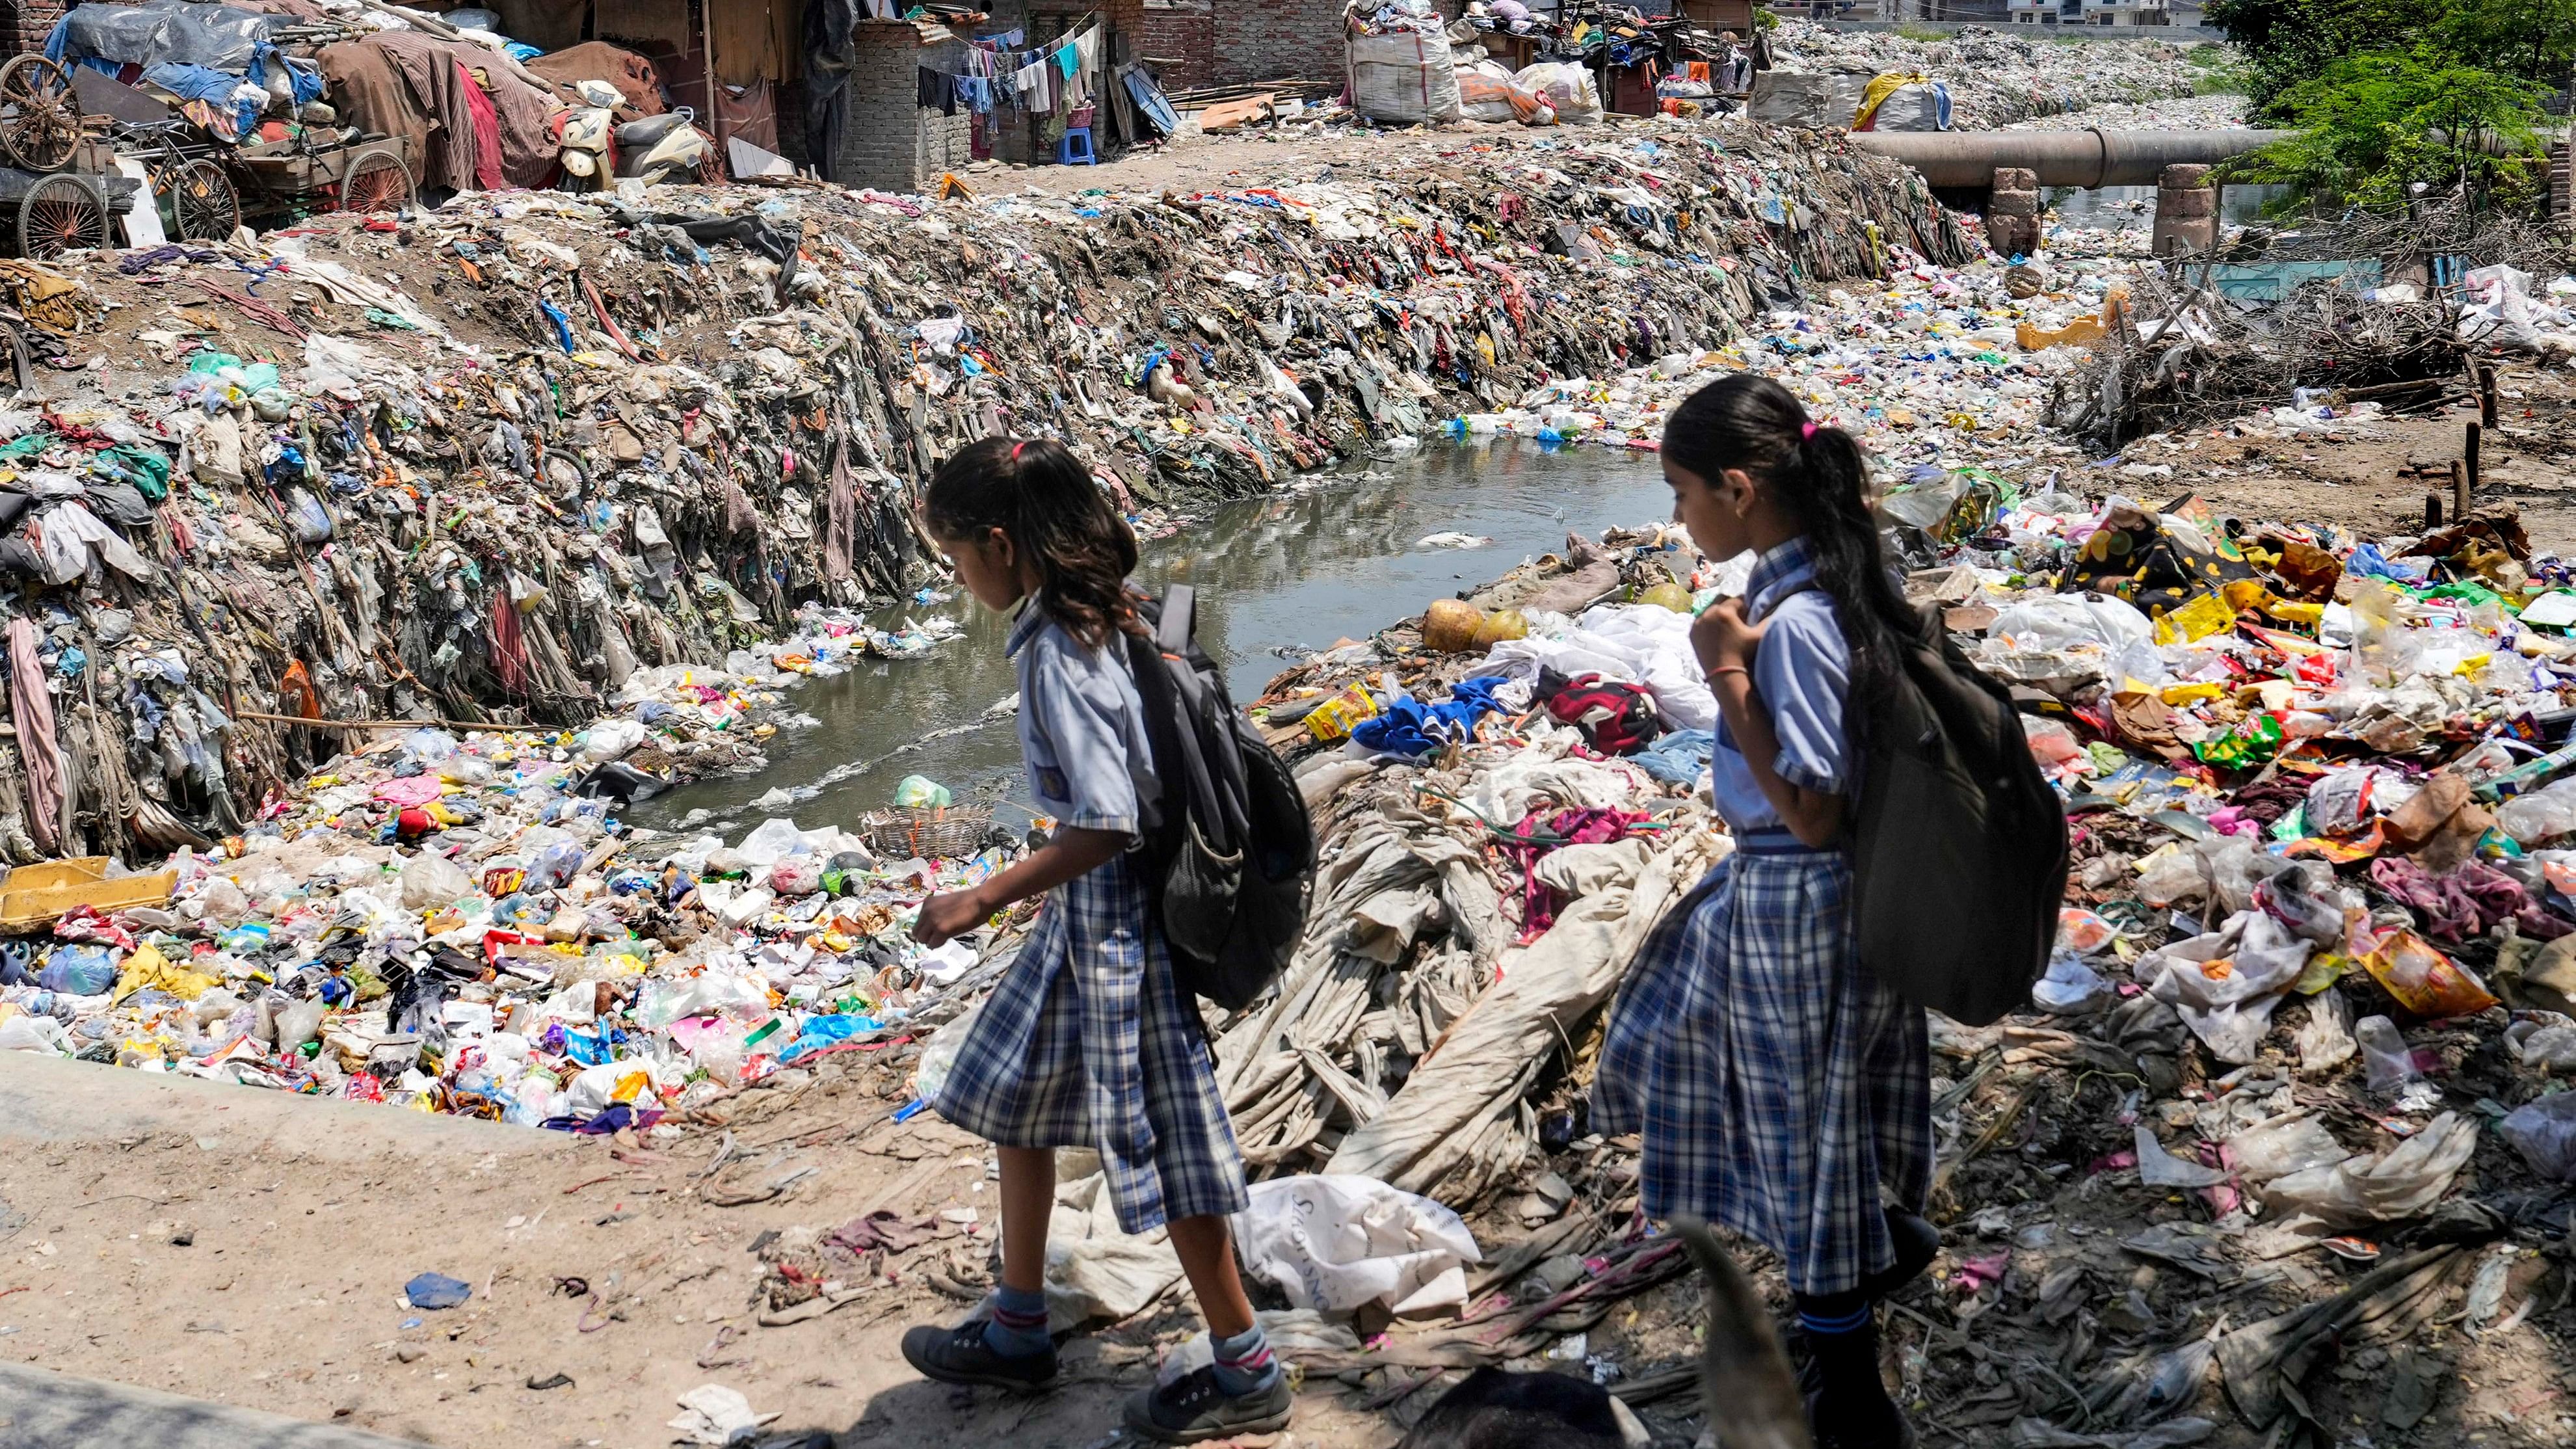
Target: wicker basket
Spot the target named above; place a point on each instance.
(930, 833)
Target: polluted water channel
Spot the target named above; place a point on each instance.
(1277, 577)
(2133, 208)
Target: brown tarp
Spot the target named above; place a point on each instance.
(424, 99)
(632, 74)
(369, 92)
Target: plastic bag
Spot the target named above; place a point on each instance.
(2543, 814)
(2070, 988)
(2171, 877)
(771, 840)
(2543, 1131)
(2391, 1063)
(939, 1055)
(797, 875)
(430, 881)
(1568, 89)
(305, 514)
(1488, 92)
(35, 1034)
(555, 866)
(2293, 1142)
(2225, 984)
(1337, 1243)
(76, 970)
(920, 792)
(2400, 1183)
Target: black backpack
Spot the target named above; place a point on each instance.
(1230, 847)
(1958, 844)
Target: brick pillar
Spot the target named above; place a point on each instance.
(889, 141)
(2012, 212)
(2186, 212)
(24, 24)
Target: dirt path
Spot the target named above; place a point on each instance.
(303, 1219)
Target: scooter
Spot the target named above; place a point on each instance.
(585, 144)
(661, 148)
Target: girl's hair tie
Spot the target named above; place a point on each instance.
(1806, 432)
(1016, 447)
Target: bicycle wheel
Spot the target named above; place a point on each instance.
(203, 204)
(375, 179)
(61, 214)
(40, 117)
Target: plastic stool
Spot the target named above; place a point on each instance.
(1075, 148)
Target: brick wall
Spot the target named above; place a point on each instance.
(1180, 38)
(889, 142)
(1279, 40)
(24, 24)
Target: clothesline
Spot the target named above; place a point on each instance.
(1043, 82)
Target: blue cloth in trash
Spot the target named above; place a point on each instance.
(1410, 727)
(1677, 758)
(437, 1290)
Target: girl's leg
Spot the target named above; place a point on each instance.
(1028, 1204)
(1206, 1249)
(1019, 1322)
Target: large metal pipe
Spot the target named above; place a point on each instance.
(2087, 158)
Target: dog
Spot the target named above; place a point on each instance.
(1745, 1383)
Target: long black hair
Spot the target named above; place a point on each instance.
(1821, 476)
(1036, 491)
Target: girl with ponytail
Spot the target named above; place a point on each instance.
(1776, 1085)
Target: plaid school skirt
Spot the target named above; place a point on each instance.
(1775, 1083)
(1089, 1042)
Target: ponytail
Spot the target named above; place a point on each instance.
(1820, 475)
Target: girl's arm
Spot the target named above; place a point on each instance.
(1726, 643)
(1067, 855)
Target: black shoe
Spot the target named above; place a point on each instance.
(1192, 1408)
(961, 1356)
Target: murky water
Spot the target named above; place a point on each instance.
(2133, 208)
(1276, 577)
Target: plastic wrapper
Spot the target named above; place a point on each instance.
(2423, 980)
(2226, 983)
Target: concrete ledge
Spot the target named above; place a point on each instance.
(42, 1410)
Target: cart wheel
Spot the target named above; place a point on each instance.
(203, 204)
(60, 214)
(40, 117)
(375, 179)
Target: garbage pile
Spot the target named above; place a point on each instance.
(462, 924)
(1995, 77)
(485, 463)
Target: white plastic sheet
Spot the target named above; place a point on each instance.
(2225, 984)
(1335, 1243)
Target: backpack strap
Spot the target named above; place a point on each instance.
(1180, 611)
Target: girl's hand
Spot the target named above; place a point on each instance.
(948, 916)
(1721, 635)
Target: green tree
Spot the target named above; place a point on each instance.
(2374, 126)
